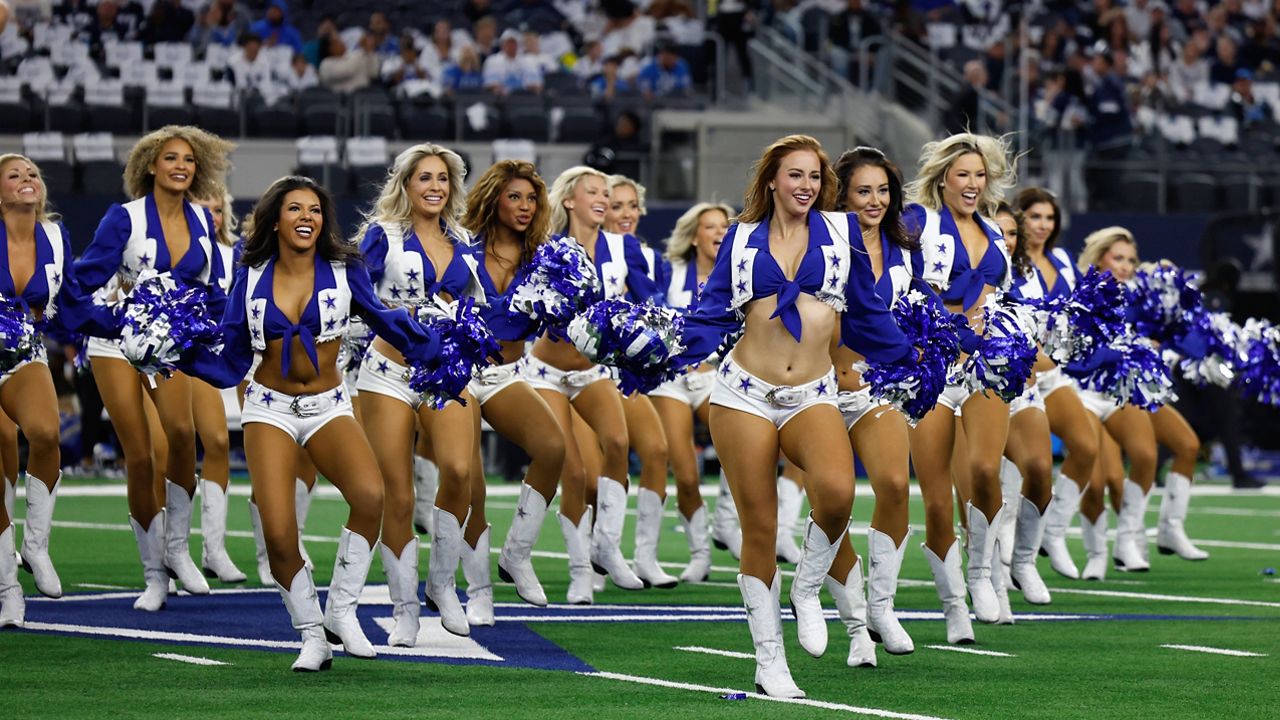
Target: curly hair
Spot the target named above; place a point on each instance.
(1032, 195)
(849, 163)
(393, 206)
(757, 202)
(43, 211)
(230, 223)
(481, 217)
(562, 189)
(936, 159)
(213, 159)
(1022, 264)
(680, 244)
(262, 240)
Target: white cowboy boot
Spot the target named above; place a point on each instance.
(475, 568)
(10, 497)
(303, 605)
(302, 507)
(606, 540)
(13, 607)
(1129, 525)
(1026, 541)
(260, 542)
(1000, 584)
(1171, 535)
(350, 570)
(851, 603)
(981, 548)
(515, 562)
(696, 533)
(35, 538)
(725, 531)
(402, 586)
(1057, 518)
(649, 509)
(151, 551)
(577, 542)
(764, 618)
(1094, 535)
(949, 582)
(1011, 490)
(442, 570)
(790, 501)
(426, 478)
(815, 561)
(214, 560)
(177, 555)
(884, 562)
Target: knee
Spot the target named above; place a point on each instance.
(1142, 457)
(454, 469)
(1041, 471)
(893, 490)
(42, 437)
(614, 445)
(984, 470)
(180, 434)
(216, 443)
(367, 500)
(280, 542)
(1085, 447)
(1188, 450)
(549, 449)
(652, 448)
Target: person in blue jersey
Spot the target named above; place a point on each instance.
(38, 278)
(297, 284)
(570, 383)
(786, 279)
(962, 255)
(509, 215)
(691, 250)
(644, 427)
(160, 230)
(1047, 271)
(420, 257)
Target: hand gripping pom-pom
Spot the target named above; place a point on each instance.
(19, 341)
(1260, 369)
(1130, 371)
(913, 385)
(1071, 327)
(465, 345)
(1218, 343)
(559, 284)
(638, 340)
(1007, 352)
(163, 319)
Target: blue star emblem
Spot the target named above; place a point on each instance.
(822, 388)
(337, 395)
(267, 398)
(742, 265)
(330, 323)
(724, 371)
(520, 511)
(412, 288)
(57, 277)
(542, 372)
(331, 302)
(942, 248)
(835, 261)
(256, 313)
(382, 367)
(257, 334)
(742, 286)
(833, 280)
(745, 384)
(145, 259)
(395, 291)
(412, 274)
(612, 280)
(937, 267)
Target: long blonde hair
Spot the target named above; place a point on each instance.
(937, 157)
(562, 189)
(43, 213)
(213, 159)
(757, 202)
(619, 180)
(393, 206)
(680, 244)
(1099, 242)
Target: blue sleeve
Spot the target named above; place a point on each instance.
(640, 287)
(217, 298)
(714, 319)
(414, 340)
(374, 248)
(866, 325)
(505, 324)
(227, 367)
(101, 260)
(77, 312)
(913, 220)
(684, 78)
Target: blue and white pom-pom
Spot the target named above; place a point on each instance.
(913, 385)
(163, 319)
(637, 339)
(355, 345)
(1161, 301)
(1129, 370)
(1217, 343)
(1259, 371)
(1073, 326)
(465, 345)
(19, 341)
(559, 284)
(1007, 352)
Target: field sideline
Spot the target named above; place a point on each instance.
(1140, 645)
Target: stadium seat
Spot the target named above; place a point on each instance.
(580, 125)
(423, 121)
(561, 84)
(101, 177)
(1141, 191)
(277, 120)
(528, 124)
(1241, 192)
(1193, 192)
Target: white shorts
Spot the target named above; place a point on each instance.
(101, 347)
(493, 379)
(738, 389)
(383, 376)
(692, 389)
(857, 404)
(1050, 381)
(300, 417)
(42, 357)
(1030, 398)
(1104, 406)
(569, 383)
(954, 396)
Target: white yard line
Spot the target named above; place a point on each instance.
(969, 651)
(713, 651)
(1167, 598)
(189, 659)
(1214, 651)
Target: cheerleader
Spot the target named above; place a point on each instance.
(644, 427)
(9, 459)
(1049, 271)
(787, 279)
(289, 305)
(38, 281)
(963, 255)
(569, 382)
(160, 230)
(691, 250)
(508, 214)
(419, 256)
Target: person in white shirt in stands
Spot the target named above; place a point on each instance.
(508, 71)
(407, 64)
(300, 74)
(249, 66)
(591, 62)
(535, 57)
(346, 70)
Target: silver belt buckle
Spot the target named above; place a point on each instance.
(496, 374)
(853, 401)
(784, 396)
(579, 378)
(307, 406)
(696, 381)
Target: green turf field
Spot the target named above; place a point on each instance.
(1105, 661)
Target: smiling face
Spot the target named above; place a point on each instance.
(624, 210)
(1121, 259)
(712, 225)
(1040, 221)
(964, 183)
(797, 183)
(1009, 226)
(517, 204)
(301, 220)
(215, 209)
(868, 195)
(590, 201)
(20, 185)
(428, 187)
(175, 166)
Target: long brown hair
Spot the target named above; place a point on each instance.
(757, 203)
(863, 156)
(262, 241)
(481, 216)
(1033, 195)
